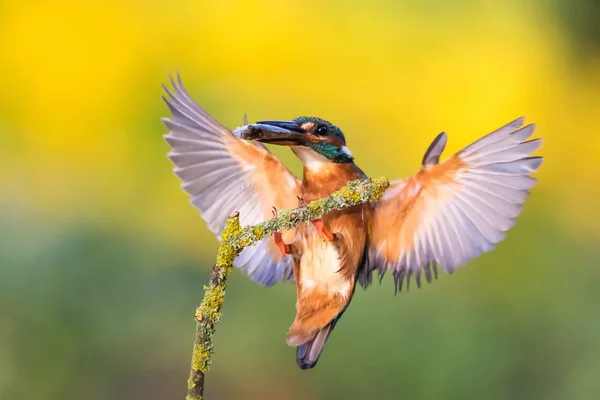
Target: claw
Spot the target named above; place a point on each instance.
(318, 223)
(284, 248)
(323, 232)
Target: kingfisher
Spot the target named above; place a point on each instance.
(444, 215)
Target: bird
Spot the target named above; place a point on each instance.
(447, 213)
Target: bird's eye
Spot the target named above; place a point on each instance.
(321, 130)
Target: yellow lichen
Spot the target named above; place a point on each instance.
(200, 358)
(258, 231)
(232, 228)
(234, 239)
(351, 195)
(316, 206)
(211, 304)
(380, 185)
(226, 255)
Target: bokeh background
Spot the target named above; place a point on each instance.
(103, 260)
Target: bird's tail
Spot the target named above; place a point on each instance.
(314, 313)
(308, 354)
(312, 327)
(317, 313)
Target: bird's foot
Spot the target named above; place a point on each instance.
(318, 223)
(284, 248)
(322, 230)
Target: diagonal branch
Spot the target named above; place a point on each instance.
(234, 239)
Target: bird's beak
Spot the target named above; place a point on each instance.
(276, 132)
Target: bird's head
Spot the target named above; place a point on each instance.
(311, 133)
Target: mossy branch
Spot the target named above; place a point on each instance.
(234, 239)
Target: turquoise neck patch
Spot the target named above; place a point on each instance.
(331, 152)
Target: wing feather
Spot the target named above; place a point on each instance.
(450, 213)
(223, 174)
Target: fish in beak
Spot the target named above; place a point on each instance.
(275, 132)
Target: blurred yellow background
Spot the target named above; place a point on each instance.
(103, 259)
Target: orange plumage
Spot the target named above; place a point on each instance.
(444, 215)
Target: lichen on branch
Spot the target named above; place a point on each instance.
(234, 239)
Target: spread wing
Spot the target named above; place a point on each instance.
(224, 174)
(451, 212)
